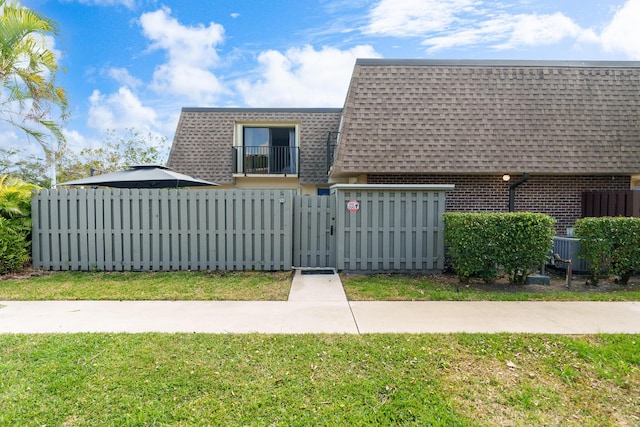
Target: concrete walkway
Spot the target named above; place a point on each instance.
(317, 304)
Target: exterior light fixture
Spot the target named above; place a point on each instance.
(506, 177)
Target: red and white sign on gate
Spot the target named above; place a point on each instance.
(353, 206)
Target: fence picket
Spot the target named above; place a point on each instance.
(55, 234)
(275, 221)
(107, 232)
(248, 257)
(258, 245)
(221, 231)
(421, 263)
(116, 200)
(201, 231)
(267, 227)
(285, 230)
(36, 230)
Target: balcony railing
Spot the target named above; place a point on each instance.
(332, 144)
(266, 160)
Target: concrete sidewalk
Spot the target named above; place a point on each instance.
(317, 304)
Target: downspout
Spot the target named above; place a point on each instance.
(512, 191)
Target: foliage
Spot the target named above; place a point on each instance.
(611, 244)
(28, 74)
(482, 243)
(14, 251)
(525, 242)
(15, 223)
(472, 245)
(318, 380)
(30, 168)
(116, 152)
(15, 202)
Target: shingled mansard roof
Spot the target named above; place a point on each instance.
(203, 142)
(482, 117)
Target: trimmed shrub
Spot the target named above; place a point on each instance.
(610, 244)
(482, 244)
(471, 245)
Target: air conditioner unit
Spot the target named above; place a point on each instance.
(567, 248)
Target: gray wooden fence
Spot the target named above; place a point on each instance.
(394, 228)
(130, 229)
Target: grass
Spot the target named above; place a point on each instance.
(437, 380)
(275, 286)
(178, 285)
(395, 287)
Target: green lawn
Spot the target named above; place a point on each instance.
(177, 285)
(275, 286)
(396, 287)
(435, 380)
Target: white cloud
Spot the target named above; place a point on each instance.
(119, 110)
(123, 77)
(191, 54)
(13, 137)
(467, 23)
(533, 30)
(130, 4)
(623, 32)
(409, 18)
(8, 135)
(49, 43)
(235, 15)
(195, 84)
(512, 32)
(76, 142)
(303, 77)
(491, 31)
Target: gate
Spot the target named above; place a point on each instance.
(390, 227)
(314, 231)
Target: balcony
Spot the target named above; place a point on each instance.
(266, 160)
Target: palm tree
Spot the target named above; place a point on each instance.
(15, 223)
(15, 201)
(28, 71)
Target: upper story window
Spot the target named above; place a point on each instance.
(266, 149)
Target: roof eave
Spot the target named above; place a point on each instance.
(342, 173)
(492, 63)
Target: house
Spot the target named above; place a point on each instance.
(279, 148)
(538, 133)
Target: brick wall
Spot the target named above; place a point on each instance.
(558, 196)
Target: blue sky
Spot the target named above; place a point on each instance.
(136, 63)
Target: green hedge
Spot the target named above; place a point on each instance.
(482, 244)
(610, 244)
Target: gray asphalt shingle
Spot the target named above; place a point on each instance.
(545, 117)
